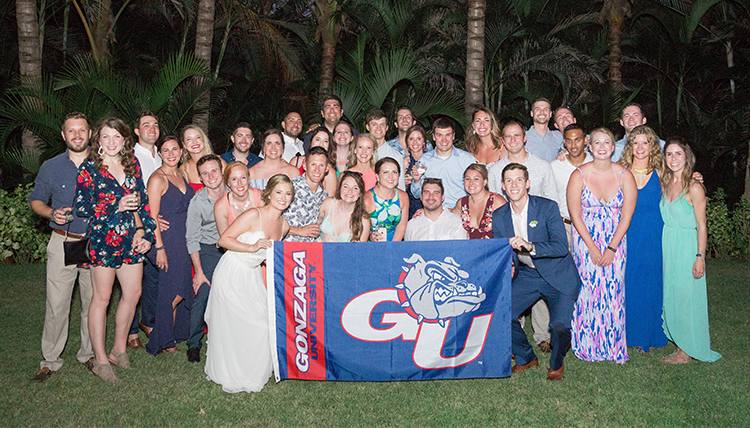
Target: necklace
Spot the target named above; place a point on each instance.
(640, 171)
(247, 204)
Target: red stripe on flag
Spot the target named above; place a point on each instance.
(305, 316)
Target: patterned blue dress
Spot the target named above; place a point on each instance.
(598, 325)
(387, 214)
(111, 233)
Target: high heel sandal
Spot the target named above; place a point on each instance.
(104, 371)
(120, 359)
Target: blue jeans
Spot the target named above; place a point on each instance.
(210, 256)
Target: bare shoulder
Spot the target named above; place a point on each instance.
(696, 191)
(498, 202)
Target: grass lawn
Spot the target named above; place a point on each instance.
(168, 391)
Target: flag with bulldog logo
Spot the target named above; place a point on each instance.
(385, 311)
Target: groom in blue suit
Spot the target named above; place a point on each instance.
(543, 267)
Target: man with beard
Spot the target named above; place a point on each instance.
(242, 139)
(52, 197)
(436, 223)
(542, 141)
(405, 119)
(292, 126)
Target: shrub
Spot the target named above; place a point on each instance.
(728, 231)
(19, 236)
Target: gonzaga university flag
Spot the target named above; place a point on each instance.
(390, 311)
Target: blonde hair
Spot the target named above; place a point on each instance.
(655, 161)
(351, 161)
(602, 130)
(274, 181)
(207, 149)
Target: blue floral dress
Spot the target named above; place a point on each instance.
(111, 233)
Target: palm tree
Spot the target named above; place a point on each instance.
(29, 53)
(92, 87)
(475, 57)
(328, 16)
(204, 37)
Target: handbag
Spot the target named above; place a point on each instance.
(77, 252)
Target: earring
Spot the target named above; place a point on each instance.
(100, 151)
(123, 151)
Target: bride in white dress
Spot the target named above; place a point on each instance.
(238, 356)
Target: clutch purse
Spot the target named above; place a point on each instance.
(77, 252)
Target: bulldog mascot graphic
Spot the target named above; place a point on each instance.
(438, 290)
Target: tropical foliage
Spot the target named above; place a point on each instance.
(684, 60)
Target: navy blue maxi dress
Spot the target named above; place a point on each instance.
(177, 281)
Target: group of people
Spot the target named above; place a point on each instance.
(185, 231)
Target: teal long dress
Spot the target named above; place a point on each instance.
(685, 313)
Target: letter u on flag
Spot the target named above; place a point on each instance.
(390, 311)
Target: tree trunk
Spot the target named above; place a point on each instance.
(101, 29)
(615, 11)
(29, 53)
(475, 57)
(328, 31)
(204, 38)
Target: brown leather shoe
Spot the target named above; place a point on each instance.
(135, 343)
(43, 374)
(545, 347)
(556, 374)
(145, 329)
(519, 369)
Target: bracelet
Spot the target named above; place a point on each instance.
(140, 228)
(701, 255)
(614, 250)
(159, 248)
(52, 215)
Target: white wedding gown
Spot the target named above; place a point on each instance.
(239, 352)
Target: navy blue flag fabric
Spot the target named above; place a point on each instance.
(390, 311)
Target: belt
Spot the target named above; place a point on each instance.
(67, 234)
(566, 221)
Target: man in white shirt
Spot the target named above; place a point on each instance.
(292, 126)
(540, 173)
(542, 141)
(147, 130)
(377, 126)
(542, 184)
(576, 141)
(436, 223)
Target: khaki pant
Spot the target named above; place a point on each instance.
(61, 280)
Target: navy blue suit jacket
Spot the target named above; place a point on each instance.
(552, 259)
